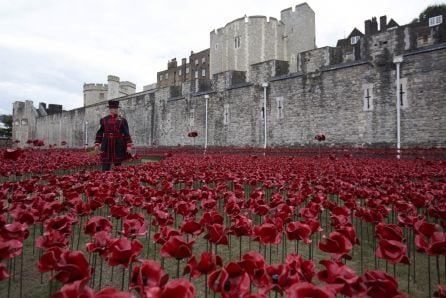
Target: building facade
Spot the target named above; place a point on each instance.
(97, 93)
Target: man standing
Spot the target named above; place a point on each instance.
(114, 138)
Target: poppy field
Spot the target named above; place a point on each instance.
(283, 223)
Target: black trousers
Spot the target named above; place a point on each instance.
(107, 166)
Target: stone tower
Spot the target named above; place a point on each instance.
(299, 32)
(97, 93)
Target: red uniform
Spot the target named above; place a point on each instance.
(113, 136)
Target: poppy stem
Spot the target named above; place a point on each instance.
(100, 274)
(205, 285)
(437, 263)
(240, 247)
(21, 273)
(429, 275)
(79, 233)
(122, 279)
(361, 246)
(10, 277)
(178, 268)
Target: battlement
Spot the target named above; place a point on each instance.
(113, 78)
(257, 19)
(95, 87)
(127, 84)
(299, 8)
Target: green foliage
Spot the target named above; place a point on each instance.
(7, 121)
(432, 11)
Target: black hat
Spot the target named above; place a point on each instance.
(113, 104)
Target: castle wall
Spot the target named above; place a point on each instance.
(352, 103)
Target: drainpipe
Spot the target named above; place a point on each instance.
(86, 135)
(206, 97)
(398, 60)
(264, 85)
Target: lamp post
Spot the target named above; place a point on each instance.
(206, 97)
(264, 85)
(398, 60)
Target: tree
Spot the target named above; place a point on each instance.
(432, 11)
(6, 130)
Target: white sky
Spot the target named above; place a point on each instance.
(50, 48)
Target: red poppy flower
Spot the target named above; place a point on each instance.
(349, 232)
(178, 288)
(12, 154)
(337, 245)
(242, 226)
(380, 284)
(254, 264)
(192, 134)
(164, 234)
(62, 224)
(177, 248)
(148, 274)
(231, 281)
(49, 259)
(211, 217)
(339, 273)
(100, 244)
(278, 278)
(320, 137)
(72, 266)
(134, 227)
(267, 233)
(216, 234)
(51, 239)
(440, 291)
(112, 293)
(393, 251)
(97, 224)
(298, 231)
(10, 249)
(208, 263)
(389, 232)
(300, 270)
(76, 289)
(4, 274)
(305, 289)
(63, 143)
(191, 227)
(123, 252)
(14, 231)
(119, 211)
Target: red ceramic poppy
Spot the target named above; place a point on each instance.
(216, 234)
(380, 284)
(337, 245)
(208, 263)
(191, 227)
(305, 289)
(339, 273)
(112, 293)
(15, 230)
(267, 233)
(134, 227)
(62, 224)
(231, 281)
(300, 270)
(176, 247)
(393, 251)
(12, 154)
(10, 249)
(164, 234)
(72, 266)
(389, 232)
(298, 231)
(100, 244)
(49, 259)
(51, 239)
(97, 224)
(123, 251)
(76, 289)
(178, 288)
(148, 274)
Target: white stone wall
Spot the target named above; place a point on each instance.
(92, 93)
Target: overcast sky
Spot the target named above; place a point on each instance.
(50, 48)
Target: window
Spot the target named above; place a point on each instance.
(279, 108)
(354, 39)
(196, 74)
(192, 117)
(179, 72)
(203, 60)
(203, 72)
(435, 21)
(237, 42)
(226, 114)
(367, 97)
(17, 122)
(216, 46)
(196, 61)
(101, 95)
(187, 69)
(24, 121)
(167, 76)
(161, 77)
